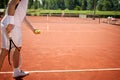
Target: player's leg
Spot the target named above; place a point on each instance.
(17, 39)
(3, 54)
(16, 58)
(4, 45)
(16, 62)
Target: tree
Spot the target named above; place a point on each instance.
(71, 4)
(108, 5)
(115, 5)
(61, 4)
(3, 3)
(84, 4)
(30, 4)
(66, 3)
(90, 5)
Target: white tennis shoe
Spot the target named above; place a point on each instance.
(19, 74)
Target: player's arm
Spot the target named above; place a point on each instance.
(36, 31)
(28, 24)
(11, 11)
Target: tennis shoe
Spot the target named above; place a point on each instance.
(20, 74)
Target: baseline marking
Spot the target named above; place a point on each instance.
(66, 71)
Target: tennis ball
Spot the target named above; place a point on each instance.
(37, 31)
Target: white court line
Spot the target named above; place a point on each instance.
(66, 71)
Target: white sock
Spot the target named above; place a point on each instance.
(16, 69)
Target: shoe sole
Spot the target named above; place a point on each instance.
(19, 77)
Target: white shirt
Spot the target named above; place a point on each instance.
(19, 15)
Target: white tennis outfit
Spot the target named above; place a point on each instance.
(16, 32)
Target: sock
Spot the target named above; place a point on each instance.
(16, 69)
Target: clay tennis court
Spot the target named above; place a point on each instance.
(69, 49)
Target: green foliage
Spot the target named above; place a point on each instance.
(77, 8)
(84, 4)
(108, 5)
(101, 5)
(90, 5)
(3, 3)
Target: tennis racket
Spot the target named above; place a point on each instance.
(10, 47)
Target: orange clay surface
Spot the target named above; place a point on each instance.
(69, 44)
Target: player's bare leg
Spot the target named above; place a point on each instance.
(16, 63)
(16, 58)
(3, 54)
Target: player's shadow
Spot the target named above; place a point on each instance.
(19, 78)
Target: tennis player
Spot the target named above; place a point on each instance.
(11, 27)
